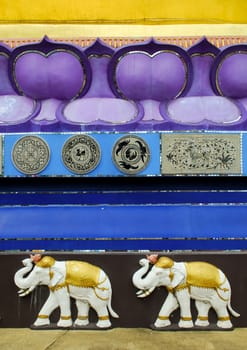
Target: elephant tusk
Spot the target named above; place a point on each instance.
(21, 291)
(144, 293)
(24, 292)
(139, 292)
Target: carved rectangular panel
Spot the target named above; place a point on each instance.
(215, 153)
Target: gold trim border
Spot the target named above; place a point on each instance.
(68, 30)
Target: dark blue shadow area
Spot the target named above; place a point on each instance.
(123, 244)
(122, 197)
(39, 185)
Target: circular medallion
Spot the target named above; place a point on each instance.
(81, 154)
(131, 154)
(30, 155)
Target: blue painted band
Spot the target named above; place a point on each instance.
(124, 221)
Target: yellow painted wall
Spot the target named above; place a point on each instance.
(124, 11)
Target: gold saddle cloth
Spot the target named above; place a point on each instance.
(82, 274)
(202, 274)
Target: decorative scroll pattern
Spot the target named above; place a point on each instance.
(193, 154)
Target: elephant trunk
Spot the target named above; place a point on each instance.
(137, 279)
(21, 281)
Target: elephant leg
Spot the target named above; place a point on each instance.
(50, 305)
(103, 316)
(203, 309)
(167, 308)
(63, 298)
(82, 315)
(220, 307)
(183, 297)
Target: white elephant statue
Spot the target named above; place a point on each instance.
(86, 283)
(201, 281)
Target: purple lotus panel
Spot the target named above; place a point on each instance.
(47, 113)
(58, 75)
(198, 110)
(152, 111)
(49, 69)
(99, 86)
(144, 86)
(5, 84)
(201, 85)
(160, 76)
(16, 109)
(231, 75)
(99, 55)
(150, 71)
(93, 110)
(202, 55)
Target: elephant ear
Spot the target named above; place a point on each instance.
(165, 262)
(46, 261)
(56, 277)
(178, 277)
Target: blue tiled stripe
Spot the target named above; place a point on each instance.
(106, 166)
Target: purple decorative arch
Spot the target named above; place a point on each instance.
(15, 111)
(99, 108)
(150, 71)
(56, 86)
(50, 70)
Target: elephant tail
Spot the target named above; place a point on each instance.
(234, 313)
(112, 312)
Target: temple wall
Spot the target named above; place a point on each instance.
(110, 217)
